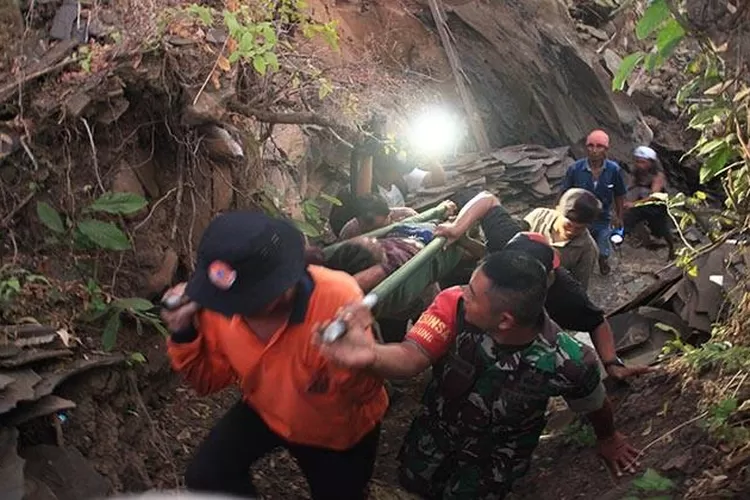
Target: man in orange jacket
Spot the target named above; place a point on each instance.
(252, 305)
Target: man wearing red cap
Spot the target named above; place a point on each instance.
(496, 360)
(602, 177)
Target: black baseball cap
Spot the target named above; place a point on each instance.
(537, 245)
(246, 260)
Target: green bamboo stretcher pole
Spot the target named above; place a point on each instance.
(395, 280)
(437, 212)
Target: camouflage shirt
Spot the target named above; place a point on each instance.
(484, 409)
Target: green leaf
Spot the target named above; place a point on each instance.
(234, 57)
(653, 481)
(269, 36)
(259, 63)
(669, 37)
(247, 43)
(119, 203)
(203, 13)
(160, 328)
(109, 335)
(706, 117)
(666, 328)
(137, 357)
(307, 228)
(134, 303)
(655, 15)
(230, 20)
(716, 163)
(626, 68)
(711, 146)
(272, 60)
(324, 89)
(652, 61)
(687, 90)
(49, 217)
(104, 234)
(331, 199)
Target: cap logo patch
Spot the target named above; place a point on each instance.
(221, 275)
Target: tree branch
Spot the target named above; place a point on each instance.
(285, 118)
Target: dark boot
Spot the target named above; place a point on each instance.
(604, 266)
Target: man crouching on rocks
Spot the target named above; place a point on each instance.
(497, 359)
(253, 304)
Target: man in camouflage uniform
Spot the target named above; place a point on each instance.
(497, 359)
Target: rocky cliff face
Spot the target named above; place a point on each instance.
(533, 80)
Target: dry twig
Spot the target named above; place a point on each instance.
(9, 218)
(93, 152)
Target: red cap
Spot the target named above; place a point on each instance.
(598, 138)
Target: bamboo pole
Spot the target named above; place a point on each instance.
(388, 285)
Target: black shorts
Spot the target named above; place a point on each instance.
(655, 216)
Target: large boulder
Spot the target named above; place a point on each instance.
(533, 83)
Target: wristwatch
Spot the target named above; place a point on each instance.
(614, 362)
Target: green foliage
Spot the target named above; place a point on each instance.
(627, 67)
(90, 232)
(103, 234)
(12, 281)
(717, 102)
(579, 433)
(716, 354)
(112, 311)
(118, 203)
(314, 222)
(649, 484)
(136, 358)
(204, 14)
(85, 56)
(254, 31)
(255, 42)
(719, 422)
(50, 217)
(655, 15)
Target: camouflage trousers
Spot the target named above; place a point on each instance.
(438, 467)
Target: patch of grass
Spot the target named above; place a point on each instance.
(651, 486)
(579, 433)
(721, 355)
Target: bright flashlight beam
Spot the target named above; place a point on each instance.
(434, 132)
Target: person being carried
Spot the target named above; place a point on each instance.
(602, 177)
(371, 260)
(252, 304)
(372, 212)
(566, 227)
(496, 361)
(641, 203)
(567, 303)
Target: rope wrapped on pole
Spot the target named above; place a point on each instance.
(438, 212)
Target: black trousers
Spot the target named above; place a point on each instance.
(222, 463)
